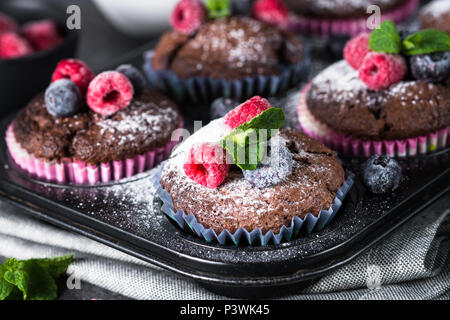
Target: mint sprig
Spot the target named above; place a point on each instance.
(247, 143)
(32, 279)
(387, 39)
(218, 8)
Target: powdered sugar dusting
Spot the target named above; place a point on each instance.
(437, 8)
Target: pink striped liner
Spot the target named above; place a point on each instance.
(351, 27)
(79, 172)
(356, 147)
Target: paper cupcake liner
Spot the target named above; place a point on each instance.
(79, 172)
(202, 90)
(353, 146)
(351, 27)
(310, 223)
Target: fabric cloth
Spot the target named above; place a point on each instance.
(412, 263)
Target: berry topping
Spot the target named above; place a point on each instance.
(274, 168)
(188, 16)
(135, 76)
(109, 92)
(75, 70)
(241, 7)
(433, 67)
(7, 24)
(381, 174)
(246, 111)
(271, 11)
(356, 50)
(63, 98)
(381, 70)
(207, 164)
(13, 46)
(221, 106)
(42, 34)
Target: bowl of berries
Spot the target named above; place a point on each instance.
(33, 39)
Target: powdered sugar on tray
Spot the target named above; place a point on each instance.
(437, 8)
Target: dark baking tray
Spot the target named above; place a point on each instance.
(121, 216)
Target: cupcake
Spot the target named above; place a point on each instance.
(436, 15)
(229, 56)
(124, 129)
(373, 102)
(224, 194)
(330, 17)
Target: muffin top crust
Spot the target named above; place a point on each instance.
(436, 15)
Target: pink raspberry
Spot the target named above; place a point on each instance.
(75, 70)
(13, 46)
(246, 111)
(7, 24)
(109, 92)
(271, 11)
(381, 70)
(356, 49)
(43, 34)
(207, 164)
(188, 16)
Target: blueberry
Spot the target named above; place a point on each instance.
(63, 98)
(274, 168)
(221, 106)
(433, 67)
(381, 174)
(135, 76)
(241, 7)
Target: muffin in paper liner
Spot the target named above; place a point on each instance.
(202, 90)
(78, 172)
(310, 223)
(351, 27)
(353, 146)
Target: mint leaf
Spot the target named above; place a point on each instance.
(55, 266)
(426, 41)
(6, 288)
(385, 38)
(218, 8)
(248, 142)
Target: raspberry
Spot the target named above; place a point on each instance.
(13, 46)
(356, 49)
(188, 16)
(246, 111)
(380, 70)
(207, 164)
(109, 92)
(7, 24)
(63, 98)
(43, 34)
(75, 70)
(271, 11)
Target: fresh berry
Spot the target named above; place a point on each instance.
(241, 7)
(271, 11)
(246, 111)
(380, 70)
(109, 92)
(7, 24)
(274, 168)
(221, 106)
(207, 164)
(433, 67)
(75, 70)
(356, 50)
(405, 33)
(188, 16)
(63, 98)
(335, 46)
(13, 46)
(43, 34)
(135, 76)
(381, 174)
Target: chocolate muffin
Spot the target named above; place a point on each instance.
(228, 48)
(341, 101)
(436, 15)
(312, 185)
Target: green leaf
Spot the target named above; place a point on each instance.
(55, 266)
(248, 142)
(426, 41)
(6, 288)
(218, 8)
(385, 38)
